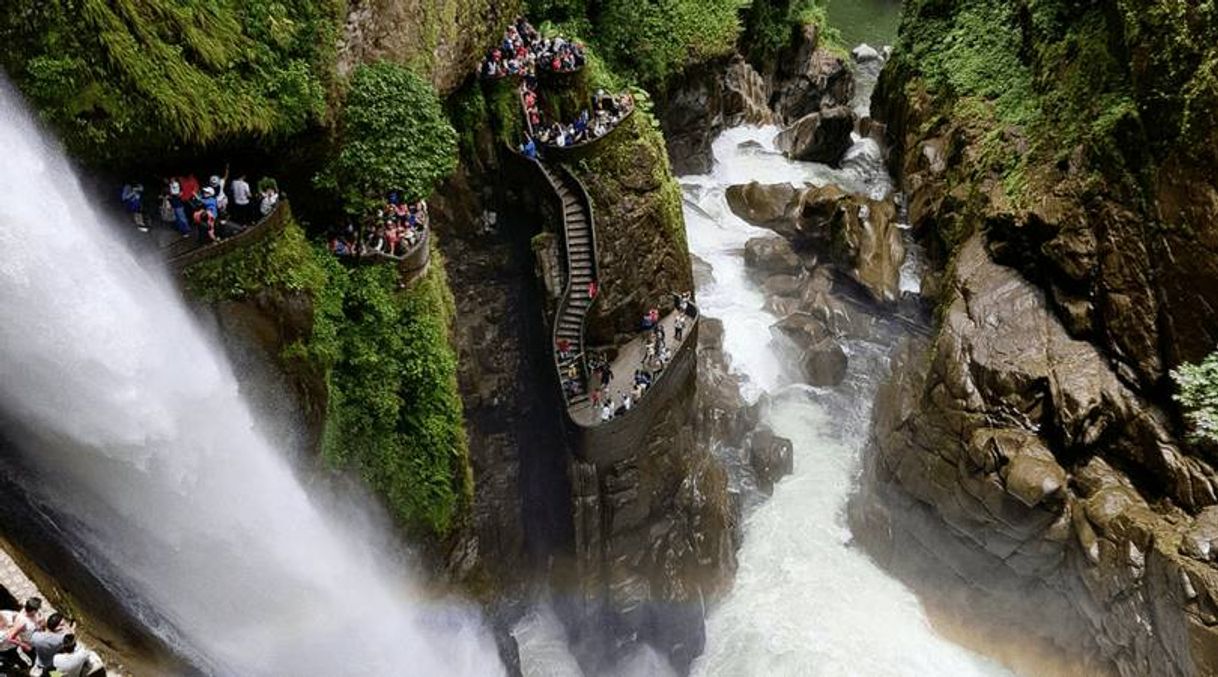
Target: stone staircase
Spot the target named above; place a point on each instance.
(580, 239)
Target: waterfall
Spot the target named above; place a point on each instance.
(136, 439)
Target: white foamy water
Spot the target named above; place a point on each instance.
(804, 602)
(148, 456)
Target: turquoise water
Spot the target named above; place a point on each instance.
(871, 21)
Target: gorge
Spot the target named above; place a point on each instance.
(946, 275)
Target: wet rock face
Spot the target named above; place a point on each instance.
(772, 255)
(448, 36)
(824, 363)
(704, 101)
(809, 78)
(654, 536)
(997, 459)
(823, 136)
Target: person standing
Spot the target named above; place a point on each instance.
(241, 200)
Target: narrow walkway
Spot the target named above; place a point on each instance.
(629, 358)
(581, 271)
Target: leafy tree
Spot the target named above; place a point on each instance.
(1198, 394)
(394, 136)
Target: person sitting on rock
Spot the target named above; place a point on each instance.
(74, 660)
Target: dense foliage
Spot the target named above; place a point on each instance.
(394, 136)
(1198, 384)
(393, 412)
(119, 78)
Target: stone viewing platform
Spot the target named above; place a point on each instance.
(185, 252)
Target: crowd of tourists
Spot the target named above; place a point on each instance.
(524, 52)
(211, 212)
(607, 112)
(393, 231)
(657, 354)
(31, 644)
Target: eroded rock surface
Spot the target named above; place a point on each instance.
(822, 136)
(1011, 436)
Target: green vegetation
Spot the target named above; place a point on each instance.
(1198, 384)
(648, 41)
(394, 136)
(118, 78)
(653, 40)
(1028, 92)
(769, 26)
(393, 413)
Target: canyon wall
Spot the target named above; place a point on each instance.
(1027, 460)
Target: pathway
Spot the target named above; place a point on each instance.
(629, 358)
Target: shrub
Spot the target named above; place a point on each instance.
(1198, 384)
(394, 136)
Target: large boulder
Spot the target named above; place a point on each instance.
(859, 235)
(771, 255)
(824, 363)
(823, 136)
(771, 457)
(768, 205)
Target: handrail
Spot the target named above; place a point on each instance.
(267, 225)
(586, 203)
(412, 261)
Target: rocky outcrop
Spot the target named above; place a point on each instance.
(771, 458)
(809, 78)
(1017, 459)
(446, 39)
(858, 235)
(705, 100)
(823, 136)
(640, 228)
(654, 539)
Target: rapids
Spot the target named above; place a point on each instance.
(804, 601)
(133, 436)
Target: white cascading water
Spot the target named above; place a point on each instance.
(148, 457)
(805, 602)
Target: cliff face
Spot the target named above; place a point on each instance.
(444, 38)
(640, 230)
(1028, 459)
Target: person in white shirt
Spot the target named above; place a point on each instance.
(241, 200)
(19, 628)
(74, 660)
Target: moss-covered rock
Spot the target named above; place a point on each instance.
(640, 227)
(372, 363)
(445, 39)
(119, 80)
